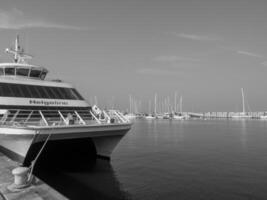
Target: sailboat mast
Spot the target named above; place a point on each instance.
(155, 106)
(130, 101)
(175, 104)
(181, 104)
(243, 100)
(149, 107)
(96, 100)
(135, 107)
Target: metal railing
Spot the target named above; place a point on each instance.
(24, 117)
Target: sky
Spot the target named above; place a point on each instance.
(205, 50)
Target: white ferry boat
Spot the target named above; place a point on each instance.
(35, 111)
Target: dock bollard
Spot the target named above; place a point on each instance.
(21, 178)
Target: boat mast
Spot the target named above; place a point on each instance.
(168, 104)
(181, 104)
(175, 103)
(95, 99)
(155, 106)
(135, 106)
(149, 107)
(130, 98)
(18, 52)
(243, 100)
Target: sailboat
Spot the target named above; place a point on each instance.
(264, 116)
(149, 116)
(243, 114)
(130, 115)
(180, 115)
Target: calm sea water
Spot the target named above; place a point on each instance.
(191, 159)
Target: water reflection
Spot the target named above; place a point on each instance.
(244, 134)
(79, 176)
(242, 129)
(162, 128)
(98, 182)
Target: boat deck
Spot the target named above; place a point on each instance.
(25, 118)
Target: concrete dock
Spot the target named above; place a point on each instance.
(38, 190)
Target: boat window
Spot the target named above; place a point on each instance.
(43, 74)
(34, 92)
(77, 94)
(22, 72)
(43, 92)
(35, 73)
(1, 71)
(15, 90)
(58, 93)
(50, 93)
(5, 90)
(2, 87)
(73, 94)
(9, 71)
(25, 91)
(67, 93)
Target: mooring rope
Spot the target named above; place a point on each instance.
(37, 156)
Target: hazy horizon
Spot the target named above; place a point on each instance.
(205, 50)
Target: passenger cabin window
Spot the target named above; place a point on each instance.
(43, 74)
(22, 71)
(16, 91)
(50, 92)
(43, 92)
(9, 71)
(25, 90)
(25, 71)
(35, 73)
(77, 94)
(5, 90)
(58, 93)
(67, 93)
(34, 91)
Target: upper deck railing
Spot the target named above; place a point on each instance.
(46, 118)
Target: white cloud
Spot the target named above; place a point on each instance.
(197, 37)
(15, 19)
(246, 53)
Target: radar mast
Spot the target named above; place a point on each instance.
(18, 53)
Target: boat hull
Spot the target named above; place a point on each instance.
(241, 116)
(263, 117)
(16, 147)
(178, 117)
(23, 144)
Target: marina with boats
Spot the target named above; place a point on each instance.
(43, 120)
(166, 110)
(38, 115)
(133, 100)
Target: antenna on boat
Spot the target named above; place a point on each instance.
(18, 52)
